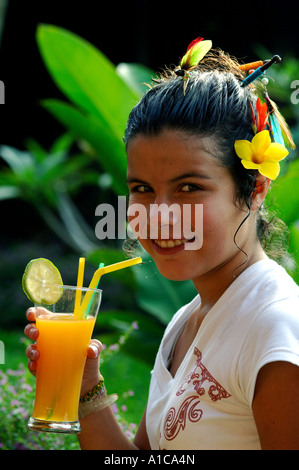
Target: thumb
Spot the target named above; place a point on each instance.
(94, 349)
(91, 374)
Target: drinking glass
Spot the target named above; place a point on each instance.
(64, 336)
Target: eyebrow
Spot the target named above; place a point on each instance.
(173, 180)
(135, 180)
(190, 175)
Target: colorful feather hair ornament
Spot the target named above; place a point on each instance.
(261, 153)
(259, 70)
(196, 50)
(279, 129)
(261, 120)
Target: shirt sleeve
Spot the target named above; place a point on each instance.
(273, 336)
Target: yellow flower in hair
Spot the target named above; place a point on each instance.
(261, 154)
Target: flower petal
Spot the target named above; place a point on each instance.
(260, 142)
(243, 149)
(270, 169)
(249, 165)
(275, 152)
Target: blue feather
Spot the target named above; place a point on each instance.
(276, 130)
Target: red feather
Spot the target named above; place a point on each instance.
(192, 43)
(261, 115)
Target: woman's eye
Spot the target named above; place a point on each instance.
(187, 188)
(141, 188)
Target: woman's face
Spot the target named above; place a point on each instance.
(174, 169)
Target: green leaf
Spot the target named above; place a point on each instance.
(121, 320)
(85, 75)
(51, 165)
(109, 148)
(125, 373)
(158, 295)
(58, 227)
(145, 338)
(284, 192)
(137, 76)
(106, 256)
(9, 192)
(110, 256)
(69, 169)
(62, 144)
(294, 250)
(36, 150)
(20, 162)
(76, 226)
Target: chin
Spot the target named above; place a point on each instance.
(173, 274)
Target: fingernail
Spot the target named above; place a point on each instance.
(33, 332)
(29, 312)
(32, 354)
(95, 349)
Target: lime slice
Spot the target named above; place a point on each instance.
(41, 282)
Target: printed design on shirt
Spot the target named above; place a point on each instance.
(175, 421)
(215, 391)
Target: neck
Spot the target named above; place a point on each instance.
(214, 283)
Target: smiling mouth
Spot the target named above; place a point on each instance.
(171, 243)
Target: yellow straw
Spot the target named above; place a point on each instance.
(79, 284)
(105, 270)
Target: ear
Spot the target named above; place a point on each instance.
(260, 192)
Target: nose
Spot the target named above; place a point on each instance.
(164, 220)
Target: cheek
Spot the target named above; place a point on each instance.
(220, 222)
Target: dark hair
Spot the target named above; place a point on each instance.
(212, 103)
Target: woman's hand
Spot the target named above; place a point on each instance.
(32, 333)
(91, 374)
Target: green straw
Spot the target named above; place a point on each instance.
(101, 265)
(105, 270)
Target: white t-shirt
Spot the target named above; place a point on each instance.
(207, 405)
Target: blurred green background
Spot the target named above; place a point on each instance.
(71, 77)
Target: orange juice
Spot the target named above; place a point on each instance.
(62, 344)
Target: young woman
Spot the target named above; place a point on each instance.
(226, 374)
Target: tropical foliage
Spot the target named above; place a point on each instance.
(86, 166)
(100, 97)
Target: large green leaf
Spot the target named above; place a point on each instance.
(109, 148)
(85, 75)
(137, 76)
